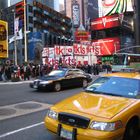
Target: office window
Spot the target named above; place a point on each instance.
(30, 19)
(30, 9)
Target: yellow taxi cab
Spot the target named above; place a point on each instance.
(108, 109)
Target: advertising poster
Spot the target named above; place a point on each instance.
(116, 6)
(106, 46)
(105, 22)
(3, 39)
(35, 47)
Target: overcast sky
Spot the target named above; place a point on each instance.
(61, 1)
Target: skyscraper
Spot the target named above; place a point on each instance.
(51, 3)
(3, 4)
(88, 9)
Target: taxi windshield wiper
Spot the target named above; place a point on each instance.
(113, 94)
(94, 91)
(103, 93)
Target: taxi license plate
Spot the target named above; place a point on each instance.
(66, 134)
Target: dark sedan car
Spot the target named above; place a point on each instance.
(62, 78)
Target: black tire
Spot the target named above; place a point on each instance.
(131, 132)
(85, 83)
(57, 87)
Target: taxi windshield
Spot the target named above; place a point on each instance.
(116, 86)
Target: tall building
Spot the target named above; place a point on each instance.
(51, 3)
(3, 4)
(43, 24)
(88, 9)
(68, 7)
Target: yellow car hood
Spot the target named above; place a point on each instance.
(94, 104)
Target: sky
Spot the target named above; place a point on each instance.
(61, 1)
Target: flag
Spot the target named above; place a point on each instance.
(17, 36)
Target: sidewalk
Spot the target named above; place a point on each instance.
(13, 83)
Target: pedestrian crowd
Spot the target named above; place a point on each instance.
(27, 71)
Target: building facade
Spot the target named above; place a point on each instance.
(45, 27)
(88, 10)
(51, 3)
(114, 31)
(3, 4)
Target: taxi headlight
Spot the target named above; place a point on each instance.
(106, 126)
(52, 114)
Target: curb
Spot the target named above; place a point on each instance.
(14, 83)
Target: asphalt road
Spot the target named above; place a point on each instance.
(28, 123)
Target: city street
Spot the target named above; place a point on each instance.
(22, 111)
(25, 120)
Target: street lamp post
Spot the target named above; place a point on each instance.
(15, 49)
(15, 41)
(25, 34)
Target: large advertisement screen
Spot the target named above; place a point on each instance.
(105, 22)
(110, 7)
(3, 39)
(107, 46)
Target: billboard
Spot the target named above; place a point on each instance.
(106, 46)
(3, 39)
(76, 15)
(110, 7)
(105, 22)
(35, 47)
(81, 35)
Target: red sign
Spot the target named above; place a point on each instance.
(105, 22)
(81, 35)
(107, 46)
(20, 9)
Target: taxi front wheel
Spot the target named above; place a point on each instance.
(131, 132)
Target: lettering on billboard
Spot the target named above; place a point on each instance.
(3, 39)
(76, 15)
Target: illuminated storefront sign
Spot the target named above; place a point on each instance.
(80, 53)
(3, 39)
(63, 50)
(81, 35)
(116, 6)
(105, 22)
(107, 46)
(76, 15)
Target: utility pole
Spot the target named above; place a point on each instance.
(25, 34)
(15, 36)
